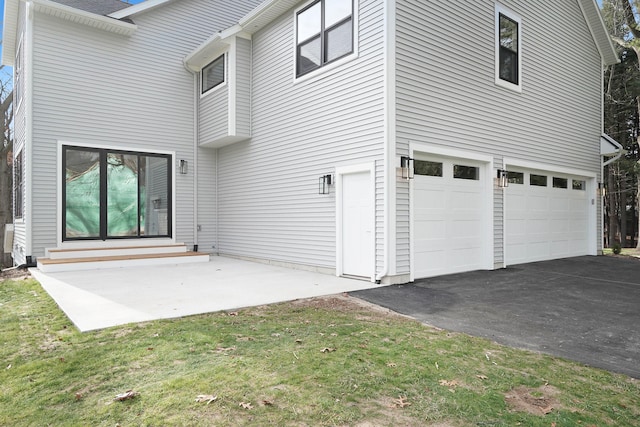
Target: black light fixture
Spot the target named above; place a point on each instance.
(324, 182)
(184, 167)
(503, 178)
(406, 165)
(602, 190)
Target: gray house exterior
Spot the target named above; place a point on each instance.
(357, 137)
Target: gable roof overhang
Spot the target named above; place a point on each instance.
(213, 47)
(58, 10)
(611, 148)
(599, 31)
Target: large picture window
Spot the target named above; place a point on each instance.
(109, 194)
(324, 33)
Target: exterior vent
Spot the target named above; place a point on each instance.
(8, 238)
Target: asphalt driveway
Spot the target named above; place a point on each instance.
(585, 309)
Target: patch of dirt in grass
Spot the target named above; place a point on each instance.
(536, 401)
(347, 304)
(14, 274)
(386, 413)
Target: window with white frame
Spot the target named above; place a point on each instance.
(213, 74)
(508, 48)
(324, 33)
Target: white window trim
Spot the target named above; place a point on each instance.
(499, 9)
(221, 85)
(18, 72)
(335, 64)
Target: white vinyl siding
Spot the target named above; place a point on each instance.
(126, 92)
(451, 100)
(214, 115)
(243, 86)
(269, 206)
(19, 141)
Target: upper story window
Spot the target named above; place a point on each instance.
(324, 33)
(18, 79)
(213, 74)
(18, 187)
(508, 48)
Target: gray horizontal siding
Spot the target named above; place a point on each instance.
(207, 237)
(269, 206)
(243, 87)
(446, 94)
(132, 92)
(214, 115)
(452, 99)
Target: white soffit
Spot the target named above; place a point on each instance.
(9, 32)
(609, 146)
(264, 13)
(72, 14)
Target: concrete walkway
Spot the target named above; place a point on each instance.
(109, 297)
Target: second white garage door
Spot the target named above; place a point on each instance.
(450, 218)
(547, 216)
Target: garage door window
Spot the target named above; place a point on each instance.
(515, 177)
(466, 172)
(559, 182)
(426, 168)
(579, 185)
(538, 180)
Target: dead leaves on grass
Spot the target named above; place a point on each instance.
(400, 402)
(208, 398)
(129, 394)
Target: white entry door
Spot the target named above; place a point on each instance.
(357, 224)
(451, 222)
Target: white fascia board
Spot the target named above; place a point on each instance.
(609, 146)
(138, 8)
(217, 44)
(212, 48)
(82, 17)
(9, 32)
(264, 13)
(599, 32)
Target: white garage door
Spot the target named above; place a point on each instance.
(450, 219)
(547, 216)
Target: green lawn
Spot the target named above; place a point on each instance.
(326, 361)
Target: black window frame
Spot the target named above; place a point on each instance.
(322, 36)
(18, 185)
(203, 88)
(103, 232)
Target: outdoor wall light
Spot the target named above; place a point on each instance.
(184, 167)
(503, 178)
(406, 165)
(602, 190)
(324, 182)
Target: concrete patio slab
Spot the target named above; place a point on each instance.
(109, 297)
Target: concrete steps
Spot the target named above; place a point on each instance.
(96, 258)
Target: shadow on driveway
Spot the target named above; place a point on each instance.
(585, 309)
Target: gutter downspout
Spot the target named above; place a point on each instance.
(389, 134)
(196, 113)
